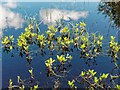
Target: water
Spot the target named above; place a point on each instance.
(14, 66)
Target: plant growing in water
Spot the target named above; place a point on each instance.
(65, 41)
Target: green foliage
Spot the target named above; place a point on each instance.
(113, 48)
(10, 83)
(41, 40)
(61, 59)
(96, 79)
(7, 42)
(118, 87)
(92, 72)
(71, 84)
(31, 73)
(65, 30)
(104, 76)
(83, 73)
(82, 46)
(64, 41)
(49, 63)
(82, 24)
(52, 29)
(69, 57)
(36, 87)
(93, 81)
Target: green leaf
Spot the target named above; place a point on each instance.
(52, 29)
(49, 62)
(5, 40)
(41, 37)
(118, 87)
(11, 47)
(71, 83)
(65, 30)
(101, 38)
(10, 83)
(87, 54)
(61, 58)
(83, 73)
(82, 46)
(31, 71)
(59, 39)
(104, 76)
(35, 86)
(82, 24)
(70, 57)
(96, 79)
(112, 37)
(92, 72)
(11, 37)
(26, 47)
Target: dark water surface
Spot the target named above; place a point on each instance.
(12, 67)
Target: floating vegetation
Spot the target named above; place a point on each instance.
(63, 40)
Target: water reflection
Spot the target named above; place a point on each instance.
(61, 70)
(111, 9)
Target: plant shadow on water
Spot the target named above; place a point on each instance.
(65, 56)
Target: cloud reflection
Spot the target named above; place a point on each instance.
(8, 18)
(53, 15)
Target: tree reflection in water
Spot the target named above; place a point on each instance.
(111, 9)
(66, 42)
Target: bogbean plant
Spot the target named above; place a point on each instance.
(8, 42)
(64, 40)
(93, 82)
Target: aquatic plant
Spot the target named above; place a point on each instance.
(8, 43)
(91, 81)
(71, 84)
(114, 48)
(49, 63)
(64, 40)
